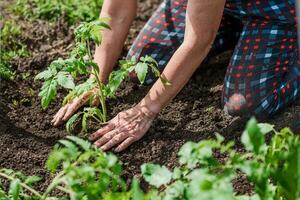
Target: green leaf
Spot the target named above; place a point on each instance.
(84, 87)
(156, 175)
(54, 160)
(14, 189)
(44, 75)
(30, 180)
(253, 138)
(72, 122)
(3, 195)
(176, 173)
(137, 193)
(70, 145)
(48, 92)
(141, 71)
(192, 153)
(7, 171)
(85, 145)
(115, 80)
(288, 175)
(65, 80)
(174, 191)
(94, 66)
(245, 197)
(150, 60)
(265, 128)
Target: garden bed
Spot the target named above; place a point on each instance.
(26, 135)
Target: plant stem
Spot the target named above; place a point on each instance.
(53, 184)
(89, 49)
(100, 84)
(101, 96)
(33, 191)
(63, 189)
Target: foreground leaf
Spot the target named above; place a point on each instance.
(30, 180)
(156, 175)
(253, 138)
(14, 189)
(137, 193)
(85, 145)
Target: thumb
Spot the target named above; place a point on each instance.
(76, 104)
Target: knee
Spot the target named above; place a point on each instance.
(236, 105)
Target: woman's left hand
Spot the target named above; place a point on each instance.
(126, 128)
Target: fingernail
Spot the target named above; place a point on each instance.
(103, 148)
(96, 144)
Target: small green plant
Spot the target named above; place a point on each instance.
(273, 169)
(71, 10)
(83, 172)
(62, 72)
(79, 172)
(11, 48)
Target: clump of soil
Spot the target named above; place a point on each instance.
(26, 135)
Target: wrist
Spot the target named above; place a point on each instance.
(149, 108)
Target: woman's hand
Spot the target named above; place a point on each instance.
(70, 108)
(126, 128)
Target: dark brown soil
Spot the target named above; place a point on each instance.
(26, 135)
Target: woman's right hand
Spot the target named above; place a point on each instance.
(70, 108)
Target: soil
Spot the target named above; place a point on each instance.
(26, 135)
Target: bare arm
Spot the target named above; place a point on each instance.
(202, 23)
(121, 14)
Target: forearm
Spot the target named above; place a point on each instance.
(202, 23)
(121, 14)
(178, 71)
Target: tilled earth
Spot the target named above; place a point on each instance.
(26, 135)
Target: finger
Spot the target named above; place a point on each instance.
(114, 141)
(58, 113)
(126, 143)
(58, 118)
(102, 132)
(76, 104)
(105, 138)
(71, 110)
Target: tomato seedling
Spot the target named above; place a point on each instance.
(83, 172)
(79, 171)
(61, 73)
